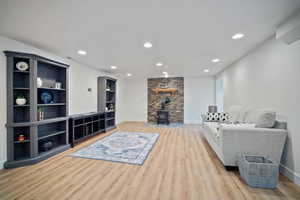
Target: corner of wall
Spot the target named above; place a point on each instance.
(2, 164)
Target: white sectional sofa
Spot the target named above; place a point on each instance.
(254, 132)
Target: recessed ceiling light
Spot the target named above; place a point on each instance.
(113, 67)
(206, 70)
(147, 45)
(215, 60)
(81, 52)
(165, 72)
(238, 36)
(128, 74)
(159, 64)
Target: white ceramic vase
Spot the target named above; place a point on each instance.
(20, 101)
(39, 82)
(22, 66)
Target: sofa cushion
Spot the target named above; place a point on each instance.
(234, 113)
(238, 126)
(242, 115)
(262, 118)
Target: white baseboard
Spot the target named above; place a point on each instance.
(2, 164)
(293, 176)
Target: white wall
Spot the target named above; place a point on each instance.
(220, 94)
(199, 93)
(2, 108)
(269, 77)
(120, 101)
(134, 100)
(81, 78)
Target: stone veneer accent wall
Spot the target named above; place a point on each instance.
(175, 107)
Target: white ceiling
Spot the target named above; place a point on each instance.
(186, 34)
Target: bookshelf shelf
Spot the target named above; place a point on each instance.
(48, 88)
(24, 141)
(23, 72)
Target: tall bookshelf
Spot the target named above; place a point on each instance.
(43, 126)
(107, 100)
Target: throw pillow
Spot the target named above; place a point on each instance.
(266, 120)
(234, 113)
(210, 117)
(262, 118)
(223, 117)
(216, 117)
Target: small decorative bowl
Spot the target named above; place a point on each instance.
(22, 66)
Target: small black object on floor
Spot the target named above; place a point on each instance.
(231, 168)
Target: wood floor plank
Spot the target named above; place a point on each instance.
(181, 166)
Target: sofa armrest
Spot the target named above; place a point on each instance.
(253, 131)
(256, 141)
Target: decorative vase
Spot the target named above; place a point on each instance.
(20, 101)
(40, 114)
(58, 85)
(21, 138)
(39, 82)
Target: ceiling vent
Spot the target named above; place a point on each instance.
(289, 31)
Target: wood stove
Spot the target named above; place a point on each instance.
(162, 117)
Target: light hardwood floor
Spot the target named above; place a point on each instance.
(181, 166)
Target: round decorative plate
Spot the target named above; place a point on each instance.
(22, 66)
(46, 97)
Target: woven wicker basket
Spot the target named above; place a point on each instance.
(258, 171)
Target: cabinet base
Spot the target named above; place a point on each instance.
(40, 157)
(110, 128)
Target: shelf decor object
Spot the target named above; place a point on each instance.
(107, 100)
(33, 124)
(21, 138)
(22, 66)
(46, 97)
(39, 82)
(20, 100)
(58, 85)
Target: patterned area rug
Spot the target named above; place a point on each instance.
(126, 147)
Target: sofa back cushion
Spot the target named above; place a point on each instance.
(235, 113)
(262, 118)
